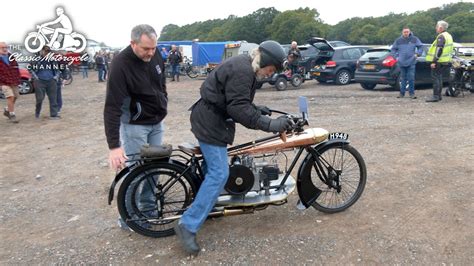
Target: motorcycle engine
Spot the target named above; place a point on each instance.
(250, 174)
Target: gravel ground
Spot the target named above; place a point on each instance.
(417, 207)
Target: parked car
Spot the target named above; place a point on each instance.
(26, 82)
(336, 64)
(379, 66)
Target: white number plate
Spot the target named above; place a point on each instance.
(338, 135)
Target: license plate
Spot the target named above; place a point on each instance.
(316, 73)
(338, 135)
(369, 67)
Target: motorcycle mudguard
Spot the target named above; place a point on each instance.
(124, 172)
(117, 178)
(307, 192)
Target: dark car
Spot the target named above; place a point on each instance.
(336, 64)
(379, 66)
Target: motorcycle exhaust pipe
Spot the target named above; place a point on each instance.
(211, 214)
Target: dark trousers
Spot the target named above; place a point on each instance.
(59, 86)
(437, 77)
(46, 87)
(101, 69)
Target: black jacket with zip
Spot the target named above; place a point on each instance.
(135, 87)
(226, 98)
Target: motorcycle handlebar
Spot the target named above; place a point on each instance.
(299, 121)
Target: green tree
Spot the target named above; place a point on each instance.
(461, 26)
(298, 25)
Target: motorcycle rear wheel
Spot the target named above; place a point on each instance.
(138, 214)
(349, 175)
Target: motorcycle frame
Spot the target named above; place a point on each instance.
(192, 164)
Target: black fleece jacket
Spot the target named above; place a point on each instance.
(144, 83)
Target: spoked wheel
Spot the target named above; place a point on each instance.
(340, 174)
(152, 193)
(192, 72)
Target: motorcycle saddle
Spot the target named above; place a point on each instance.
(156, 151)
(190, 148)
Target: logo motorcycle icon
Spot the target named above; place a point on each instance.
(60, 38)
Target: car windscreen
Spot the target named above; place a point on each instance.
(374, 54)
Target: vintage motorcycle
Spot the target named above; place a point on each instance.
(330, 178)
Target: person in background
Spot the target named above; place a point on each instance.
(440, 55)
(46, 74)
(85, 68)
(175, 58)
(9, 80)
(406, 49)
(294, 56)
(164, 54)
(100, 63)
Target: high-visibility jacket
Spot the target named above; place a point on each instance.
(447, 54)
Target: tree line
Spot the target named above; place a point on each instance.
(303, 23)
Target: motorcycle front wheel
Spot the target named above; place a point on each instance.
(339, 172)
(150, 194)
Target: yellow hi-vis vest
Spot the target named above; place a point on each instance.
(448, 51)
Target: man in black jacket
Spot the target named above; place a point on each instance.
(136, 100)
(226, 98)
(175, 57)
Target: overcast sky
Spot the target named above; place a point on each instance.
(111, 22)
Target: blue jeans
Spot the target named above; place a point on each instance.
(132, 138)
(84, 72)
(174, 70)
(214, 181)
(407, 76)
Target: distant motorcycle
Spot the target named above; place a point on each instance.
(189, 69)
(461, 77)
(35, 41)
(330, 178)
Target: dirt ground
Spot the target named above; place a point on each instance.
(417, 207)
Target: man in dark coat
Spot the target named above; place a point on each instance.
(226, 98)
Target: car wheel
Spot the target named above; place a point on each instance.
(296, 80)
(396, 86)
(25, 87)
(281, 84)
(343, 77)
(368, 86)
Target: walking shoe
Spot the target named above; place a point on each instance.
(13, 118)
(187, 239)
(432, 100)
(413, 96)
(400, 96)
(55, 117)
(6, 113)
